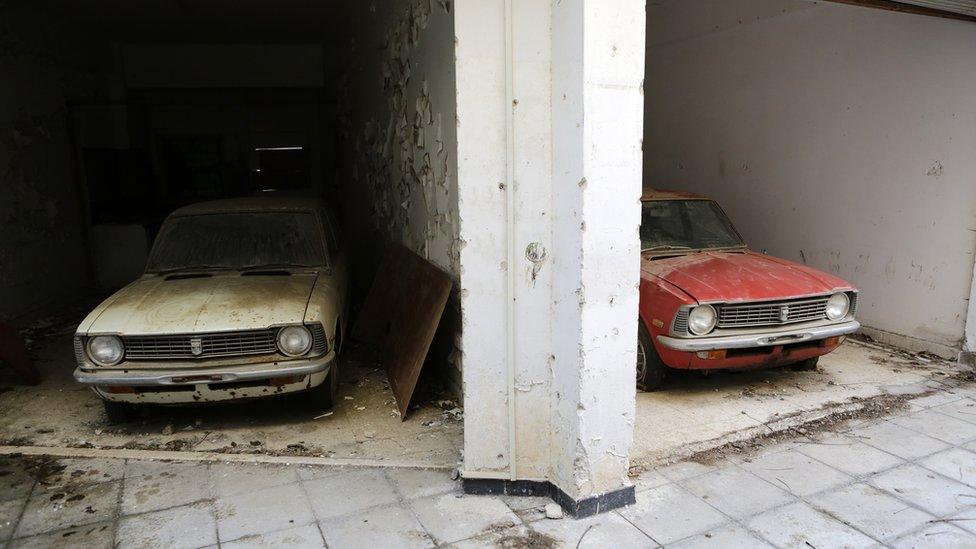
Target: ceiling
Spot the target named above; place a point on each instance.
(204, 21)
(965, 7)
(953, 9)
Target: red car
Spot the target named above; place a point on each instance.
(709, 303)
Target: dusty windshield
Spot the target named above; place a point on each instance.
(238, 240)
(686, 225)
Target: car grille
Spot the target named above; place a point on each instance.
(252, 342)
(742, 315)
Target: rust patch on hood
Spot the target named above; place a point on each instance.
(224, 302)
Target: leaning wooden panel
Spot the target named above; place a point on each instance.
(401, 314)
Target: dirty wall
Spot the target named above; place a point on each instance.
(397, 143)
(836, 136)
(43, 249)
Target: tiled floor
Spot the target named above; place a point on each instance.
(904, 481)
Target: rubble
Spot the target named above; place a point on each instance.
(554, 511)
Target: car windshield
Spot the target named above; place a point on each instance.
(686, 225)
(238, 240)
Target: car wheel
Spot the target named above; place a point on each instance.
(118, 412)
(808, 365)
(650, 368)
(322, 397)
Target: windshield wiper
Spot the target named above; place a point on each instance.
(195, 268)
(272, 266)
(666, 247)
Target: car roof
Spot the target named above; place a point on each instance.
(252, 204)
(658, 194)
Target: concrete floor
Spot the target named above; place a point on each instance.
(691, 414)
(364, 427)
(906, 480)
(694, 413)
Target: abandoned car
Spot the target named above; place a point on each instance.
(241, 298)
(709, 303)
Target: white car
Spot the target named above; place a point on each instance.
(241, 298)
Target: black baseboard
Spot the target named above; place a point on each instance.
(585, 507)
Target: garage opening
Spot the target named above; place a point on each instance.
(786, 113)
(115, 114)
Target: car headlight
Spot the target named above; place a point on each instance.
(294, 340)
(702, 319)
(105, 350)
(838, 305)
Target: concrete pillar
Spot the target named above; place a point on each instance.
(550, 116)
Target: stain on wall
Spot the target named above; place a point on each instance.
(786, 112)
(397, 134)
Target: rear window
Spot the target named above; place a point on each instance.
(238, 240)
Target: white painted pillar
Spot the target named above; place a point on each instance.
(550, 116)
(598, 105)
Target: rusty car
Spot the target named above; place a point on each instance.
(241, 298)
(708, 302)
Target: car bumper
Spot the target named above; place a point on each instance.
(206, 384)
(762, 339)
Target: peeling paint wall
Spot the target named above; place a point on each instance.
(836, 136)
(397, 129)
(397, 139)
(43, 248)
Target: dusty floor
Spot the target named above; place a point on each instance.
(904, 480)
(694, 413)
(364, 425)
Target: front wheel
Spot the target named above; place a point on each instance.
(322, 397)
(808, 365)
(118, 412)
(650, 368)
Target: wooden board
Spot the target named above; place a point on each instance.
(401, 314)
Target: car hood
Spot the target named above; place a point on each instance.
(223, 302)
(740, 276)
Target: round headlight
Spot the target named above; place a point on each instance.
(105, 350)
(294, 340)
(701, 319)
(837, 306)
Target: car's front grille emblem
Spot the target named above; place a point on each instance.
(196, 346)
(784, 313)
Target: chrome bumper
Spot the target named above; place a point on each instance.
(766, 339)
(198, 375)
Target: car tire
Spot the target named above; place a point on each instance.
(650, 369)
(322, 397)
(118, 412)
(808, 365)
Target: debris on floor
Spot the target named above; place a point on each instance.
(554, 511)
(731, 412)
(283, 427)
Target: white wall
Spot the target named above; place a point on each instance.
(397, 128)
(396, 145)
(838, 136)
